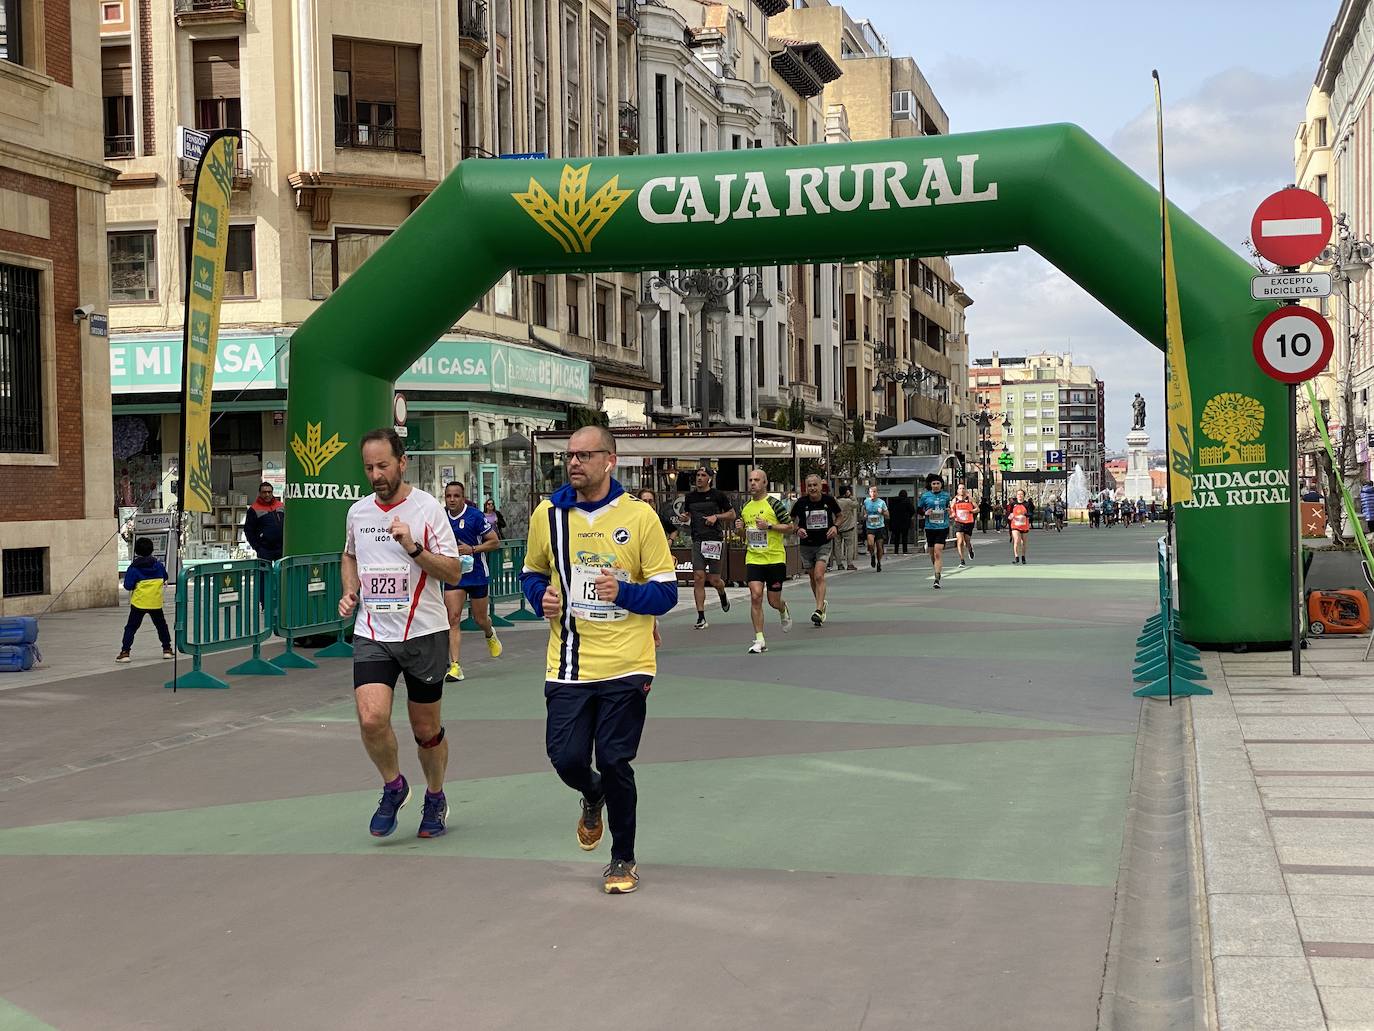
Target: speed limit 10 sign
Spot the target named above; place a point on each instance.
(1293, 343)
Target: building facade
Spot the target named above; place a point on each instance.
(1041, 403)
(1332, 155)
(57, 517)
(348, 122)
(905, 352)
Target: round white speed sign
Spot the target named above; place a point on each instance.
(1293, 343)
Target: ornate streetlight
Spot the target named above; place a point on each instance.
(703, 293)
(983, 419)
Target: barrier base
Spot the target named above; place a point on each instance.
(256, 666)
(197, 678)
(293, 660)
(337, 650)
(524, 616)
(1160, 689)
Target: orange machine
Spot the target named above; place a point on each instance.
(1337, 612)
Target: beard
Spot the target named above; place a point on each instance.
(386, 489)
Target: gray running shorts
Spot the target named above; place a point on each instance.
(821, 552)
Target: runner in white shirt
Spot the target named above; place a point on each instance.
(398, 552)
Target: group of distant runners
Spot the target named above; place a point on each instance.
(598, 567)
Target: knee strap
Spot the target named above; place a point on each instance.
(432, 742)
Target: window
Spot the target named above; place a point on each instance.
(572, 81)
(21, 367)
(1032, 447)
(816, 291)
(504, 298)
(25, 572)
(12, 31)
(505, 117)
(216, 75)
(1047, 431)
(1321, 187)
(1321, 133)
(627, 319)
(665, 361)
(603, 315)
(539, 300)
(574, 306)
(601, 85)
(133, 267)
(469, 113)
(240, 279)
(1029, 397)
(376, 96)
(1046, 396)
(1047, 413)
(117, 91)
(333, 261)
(661, 115)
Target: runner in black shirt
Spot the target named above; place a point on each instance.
(707, 512)
(816, 515)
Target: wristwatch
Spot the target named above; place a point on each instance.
(418, 549)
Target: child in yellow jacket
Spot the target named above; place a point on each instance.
(145, 577)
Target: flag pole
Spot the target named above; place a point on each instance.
(1164, 299)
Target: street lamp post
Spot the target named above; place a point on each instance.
(703, 293)
(983, 419)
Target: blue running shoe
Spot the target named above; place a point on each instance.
(384, 819)
(435, 815)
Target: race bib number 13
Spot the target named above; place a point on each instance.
(583, 600)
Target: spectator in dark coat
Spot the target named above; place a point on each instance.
(265, 524)
(901, 511)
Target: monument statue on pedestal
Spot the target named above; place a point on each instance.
(1138, 483)
(1138, 408)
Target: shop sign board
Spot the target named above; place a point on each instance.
(149, 365)
(492, 367)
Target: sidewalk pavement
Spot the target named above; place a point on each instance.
(1285, 804)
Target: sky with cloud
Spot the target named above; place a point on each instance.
(1235, 81)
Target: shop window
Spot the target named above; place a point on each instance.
(117, 90)
(25, 572)
(376, 96)
(333, 261)
(216, 73)
(21, 362)
(133, 266)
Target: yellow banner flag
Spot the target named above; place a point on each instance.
(1178, 398)
(204, 290)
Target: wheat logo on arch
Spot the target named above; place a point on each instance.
(1234, 420)
(573, 219)
(313, 453)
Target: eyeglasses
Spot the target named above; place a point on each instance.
(581, 457)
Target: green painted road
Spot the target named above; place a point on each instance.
(909, 817)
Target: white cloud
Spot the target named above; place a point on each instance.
(963, 76)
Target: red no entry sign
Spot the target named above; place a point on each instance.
(1293, 343)
(1291, 227)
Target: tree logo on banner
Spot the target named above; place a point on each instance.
(573, 219)
(1233, 420)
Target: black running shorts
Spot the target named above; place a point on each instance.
(770, 574)
(423, 660)
(934, 537)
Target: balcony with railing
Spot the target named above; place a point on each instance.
(210, 12)
(243, 172)
(119, 147)
(472, 27)
(629, 128)
(364, 136)
(627, 15)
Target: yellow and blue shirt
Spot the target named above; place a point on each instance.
(569, 543)
(145, 578)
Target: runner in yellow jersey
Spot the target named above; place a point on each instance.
(764, 521)
(597, 565)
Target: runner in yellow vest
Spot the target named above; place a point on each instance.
(764, 521)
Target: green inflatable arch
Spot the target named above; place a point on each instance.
(1052, 188)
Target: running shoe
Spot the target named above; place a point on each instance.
(758, 647)
(880, 567)
(724, 602)
(384, 819)
(167, 653)
(970, 551)
(786, 620)
(936, 584)
(701, 623)
(825, 610)
(590, 825)
(962, 563)
(494, 646)
(454, 674)
(818, 617)
(123, 657)
(872, 561)
(434, 817)
(621, 877)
